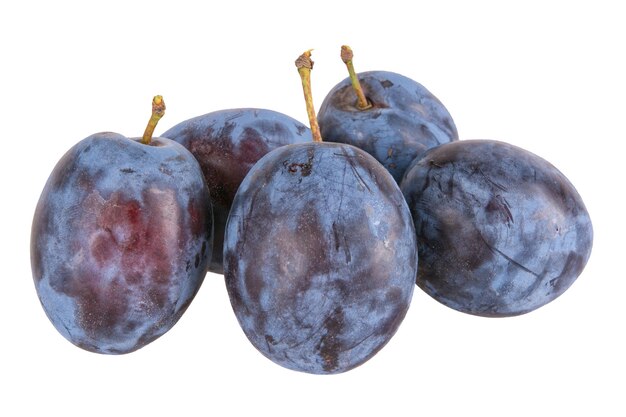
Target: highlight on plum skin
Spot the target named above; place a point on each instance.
(121, 240)
(500, 231)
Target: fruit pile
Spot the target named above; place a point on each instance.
(318, 241)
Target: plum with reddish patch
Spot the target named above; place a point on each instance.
(121, 240)
(227, 143)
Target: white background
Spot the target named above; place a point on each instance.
(546, 76)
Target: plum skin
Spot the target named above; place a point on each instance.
(320, 257)
(120, 241)
(404, 121)
(227, 143)
(501, 231)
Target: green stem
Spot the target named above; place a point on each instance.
(305, 65)
(346, 57)
(158, 110)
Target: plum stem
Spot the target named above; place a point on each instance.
(346, 57)
(304, 63)
(158, 110)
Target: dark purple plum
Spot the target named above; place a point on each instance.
(319, 257)
(402, 121)
(121, 240)
(319, 253)
(500, 231)
(227, 143)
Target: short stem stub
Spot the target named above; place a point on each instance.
(305, 65)
(346, 57)
(158, 110)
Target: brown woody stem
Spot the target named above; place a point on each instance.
(346, 57)
(305, 65)
(158, 110)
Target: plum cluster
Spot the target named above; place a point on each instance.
(318, 241)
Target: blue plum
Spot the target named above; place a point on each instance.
(501, 231)
(402, 121)
(121, 240)
(227, 143)
(320, 257)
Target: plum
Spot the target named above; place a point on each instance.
(319, 257)
(227, 143)
(500, 231)
(121, 240)
(319, 254)
(388, 115)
